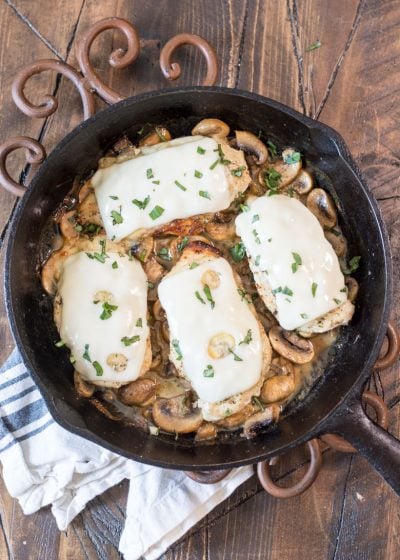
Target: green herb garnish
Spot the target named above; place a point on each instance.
(117, 217)
(314, 46)
(200, 150)
(197, 294)
(352, 266)
(193, 265)
(257, 260)
(285, 290)
(141, 203)
(272, 178)
(156, 182)
(235, 356)
(238, 172)
(149, 174)
(255, 400)
(205, 194)
(304, 315)
(113, 197)
(198, 174)
(256, 238)
(126, 341)
(256, 218)
(208, 295)
(272, 148)
(156, 212)
(175, 344)
(182, 187)
(291, 158)
(297, 262)
(337, 301)
(107, 310)
(244, 207)
(247, 339)
(101, 257)
(163, 253)
(243, 295)
(85, 355)
(98, 368)
(182, 244)
(314, 289)
(238, 252)
(214, 165)
(139, 322)
(209, 371)
(114, 264)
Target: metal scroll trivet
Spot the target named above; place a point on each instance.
(88, 84)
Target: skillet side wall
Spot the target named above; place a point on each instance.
(30, 310)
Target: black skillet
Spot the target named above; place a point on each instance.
(333, 405)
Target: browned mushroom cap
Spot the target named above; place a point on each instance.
(303, 183)
(352, 288)
(280, 366)
(238, 418)
(321, 205)
(160, 134)
(82, 387)
(277, 388)
(220, 232)
(291, 346)
(212, 127)
(287, 171)
(176, 415)
(139, 392)
(154, 270)
(251, 144)
(258, 421)
(206, 431)
(337, 241)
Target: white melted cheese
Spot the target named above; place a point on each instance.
(192, 324)
(82, 280)
(276, 227)
(155, 174)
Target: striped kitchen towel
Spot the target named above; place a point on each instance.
(43, 464)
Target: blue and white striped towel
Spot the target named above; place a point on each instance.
(43, 464)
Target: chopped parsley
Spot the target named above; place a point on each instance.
(98, 368)
(60, 344)
(291, 158)
(114, 264)
(182, 244)
(163, 253)
(205, 194)
(107, 310)
(269, 240)
(139, 322)
(314, 289)
(256, 218)
(255, 400)
(304, 315)
(244, 207)
(247, 339)
(243, 295)
(272, 148)
(238, 252)
(113, 197)
(222, 156)
(193, 265)
(161, 136)
(337, 301)
(214, 165)
(175, 345)
(209, 371)
(335, 232)
(272, 178)
(141, 203)
(238, 172)
(208, 295)
(227, 412)
(354, 263)
(101, 257)
(200, 150)
(78, 228)
(182, 187)
(149, 174)
(235, 356)
(257, 260)
(198, 174)
(156, 182)
(285, 290)
(150, 285)
(126, 341)
(256, 238)
(117, 217)
(314, 46)
(297, 262)
(197, 294)
(344, 289)
(156, 212)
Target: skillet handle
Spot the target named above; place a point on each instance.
(381, 449)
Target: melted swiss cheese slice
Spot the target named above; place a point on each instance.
(193, 323)
(291, 260)
(175, 179)
(93, 331)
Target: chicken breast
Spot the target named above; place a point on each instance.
(217, 341)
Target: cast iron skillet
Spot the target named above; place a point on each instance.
(334, 403)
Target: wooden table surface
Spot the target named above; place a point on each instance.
(352, 82)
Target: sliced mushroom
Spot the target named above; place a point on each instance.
(82, 387)
(212, 127)
(251, 144)
(172, 387)
(89, 211)
(281, 366)
(211, 279)
(258, 421)
(291, 346)
(321, 205)
(337, 241)
(303, 183)
(238, 418)
(287, 171)
(220, 232)
(158, 311)
(160, 134)
(138, 393)
(143, 248)
(277, 388)
(352, 288)
(154, 270)
(206, 431)
(67, 225)
(176, 415)
(220, 345)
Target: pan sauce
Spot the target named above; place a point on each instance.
(143, 402)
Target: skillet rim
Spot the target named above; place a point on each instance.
(342, 152)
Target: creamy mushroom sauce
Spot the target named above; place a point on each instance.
(138, 403)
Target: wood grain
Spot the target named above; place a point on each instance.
(351, 82)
